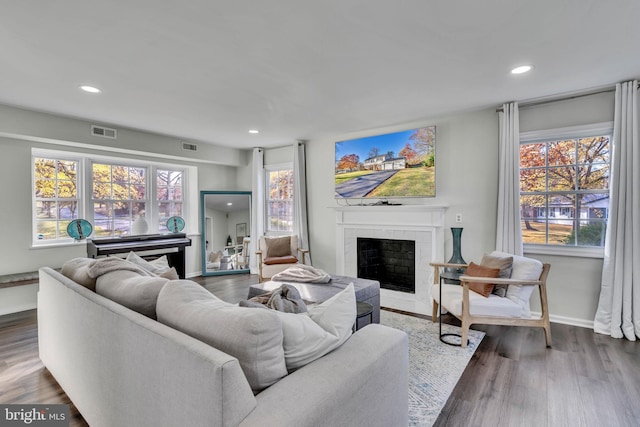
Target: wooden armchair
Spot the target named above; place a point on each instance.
(276, 254)
(512, 309)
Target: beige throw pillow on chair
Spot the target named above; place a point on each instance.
(278, 246)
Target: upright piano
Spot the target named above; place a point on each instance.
(170, 244)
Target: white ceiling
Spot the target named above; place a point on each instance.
(209, 71)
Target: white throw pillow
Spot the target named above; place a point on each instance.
(309, 336)
(157, 266)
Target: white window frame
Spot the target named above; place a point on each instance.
(570, 132)
(85, 189)
(91, 202)
(267, 170)
(56, 156)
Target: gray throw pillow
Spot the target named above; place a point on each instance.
(505, 264)
(134, 291)
(254, 337)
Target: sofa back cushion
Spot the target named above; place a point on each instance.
(77, 269)
(253, 336)
(131, 289)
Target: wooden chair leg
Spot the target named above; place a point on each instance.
(434, 311)
(464, 336)
(547, 334)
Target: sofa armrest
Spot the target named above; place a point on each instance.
(364, 382)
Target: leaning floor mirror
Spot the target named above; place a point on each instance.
(226, 222)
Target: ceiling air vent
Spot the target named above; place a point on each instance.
(189, 147)
(103, 132)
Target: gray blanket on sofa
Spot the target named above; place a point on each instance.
(102, 266)
(286, 299)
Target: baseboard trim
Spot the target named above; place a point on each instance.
(573, 321)
(18, 308)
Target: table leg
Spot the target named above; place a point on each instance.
(440, 323)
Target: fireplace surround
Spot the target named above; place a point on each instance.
(423, 224)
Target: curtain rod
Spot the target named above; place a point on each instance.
(526, 104)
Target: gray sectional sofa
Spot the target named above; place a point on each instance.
(120, 367)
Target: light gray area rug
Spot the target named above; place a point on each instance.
(434, 367)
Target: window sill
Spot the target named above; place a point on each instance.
(57, 245)
(572, 251)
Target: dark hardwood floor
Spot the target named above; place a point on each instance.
(586, 379)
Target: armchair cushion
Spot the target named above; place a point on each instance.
(493, 305)
(278, 246)
(476, 270)
(505, 264)
(523, 269)
(289, 259)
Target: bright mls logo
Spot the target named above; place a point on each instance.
(35, 415)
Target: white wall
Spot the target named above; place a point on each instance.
(21, 130)
(466, 181)
(574, 282)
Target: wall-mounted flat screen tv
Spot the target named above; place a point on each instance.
(400, 164)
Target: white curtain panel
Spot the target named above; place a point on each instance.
(509, 233)
(257, 207)
(618, 311)
(300, 224)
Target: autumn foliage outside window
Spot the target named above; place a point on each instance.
(564, 191)
(119, 198)
(279, 200)
(111, 197)
(56, 197)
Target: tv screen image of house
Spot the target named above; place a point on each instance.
(399, 164)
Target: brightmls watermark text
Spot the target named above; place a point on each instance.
(34, 415)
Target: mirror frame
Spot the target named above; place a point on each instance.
(203, 234)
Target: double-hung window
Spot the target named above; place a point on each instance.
(119, 197)
(279, 215)
(564, 186)
(168, 195)
(112, 195)
(55, 189)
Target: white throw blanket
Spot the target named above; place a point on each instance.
(302, 273)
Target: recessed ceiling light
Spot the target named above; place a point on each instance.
(254, 131)
(521, 69)
(90, 89)
(229, 204)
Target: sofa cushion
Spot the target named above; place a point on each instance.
(309, 336)
(77, 269)
(170, 274)
(252, 336)
(505, 264)
(476, 270)
(157, 266)
(131, 289)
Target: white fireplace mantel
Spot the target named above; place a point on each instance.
(423, 224)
